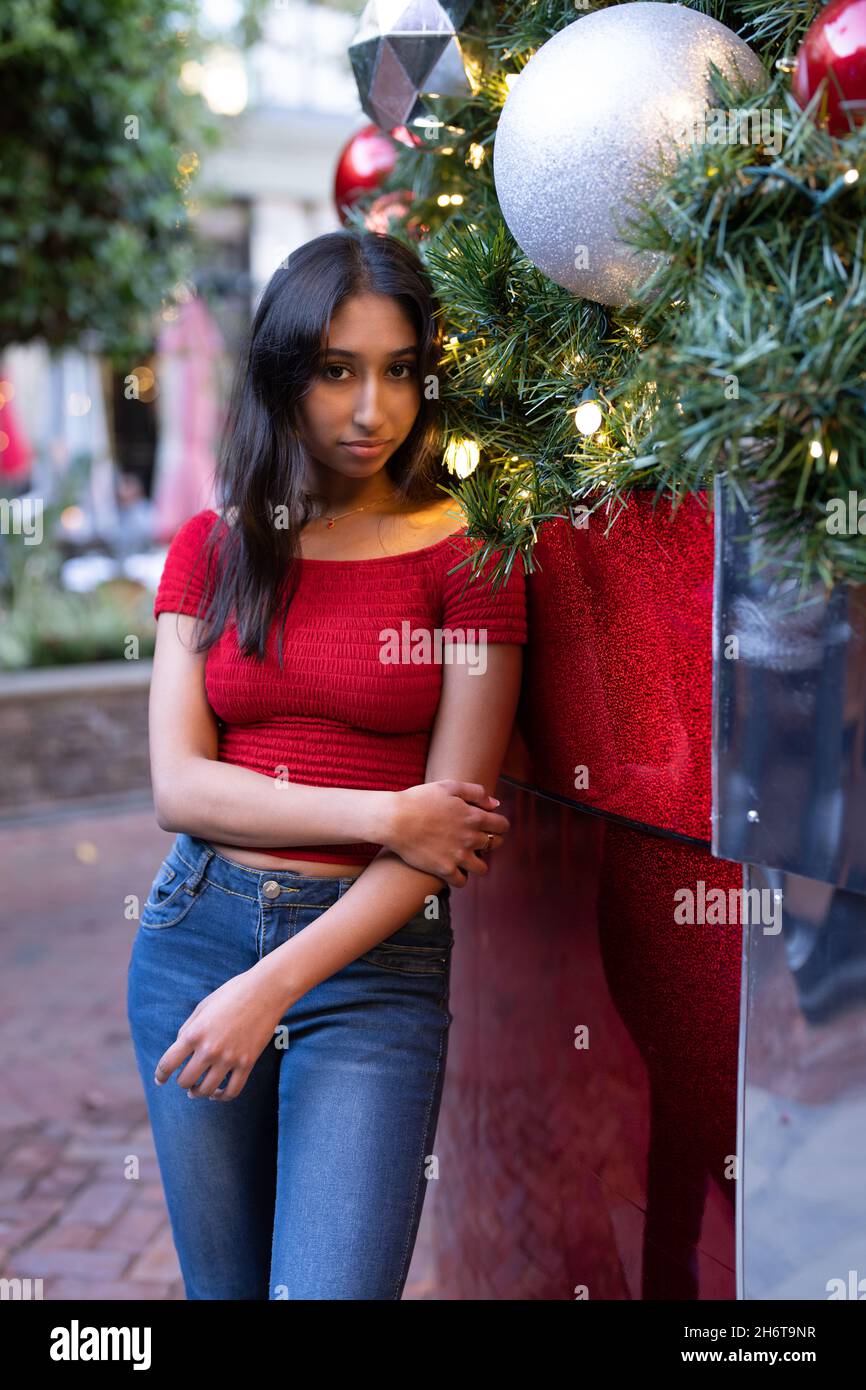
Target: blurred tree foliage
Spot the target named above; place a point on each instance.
(98, 148)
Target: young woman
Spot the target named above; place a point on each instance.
(325, 765)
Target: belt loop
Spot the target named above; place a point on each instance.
(200, 870)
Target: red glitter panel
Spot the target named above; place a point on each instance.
(588, 1123)
(616, 704)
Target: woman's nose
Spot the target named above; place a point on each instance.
(368, 405)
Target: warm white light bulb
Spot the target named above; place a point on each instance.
(461, 457)
(587, 417)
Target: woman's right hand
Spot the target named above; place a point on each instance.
(439, 827)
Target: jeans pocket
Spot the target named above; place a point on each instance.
(409, 960)
(170, 898)
(422, 946)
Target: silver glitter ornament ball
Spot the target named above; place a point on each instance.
(584, 120)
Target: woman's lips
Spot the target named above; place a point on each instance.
(366, 450)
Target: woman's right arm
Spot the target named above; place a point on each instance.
(432, 826)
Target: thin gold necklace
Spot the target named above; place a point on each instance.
(330, 520)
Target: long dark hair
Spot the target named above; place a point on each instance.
(261, 462)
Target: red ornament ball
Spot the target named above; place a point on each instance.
(835, 48)
(365, 162)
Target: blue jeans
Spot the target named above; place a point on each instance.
(310, 1183)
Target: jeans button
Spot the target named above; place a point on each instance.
(271, 889)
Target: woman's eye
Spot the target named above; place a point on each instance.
(406, 368)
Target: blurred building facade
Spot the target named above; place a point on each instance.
(287, 106)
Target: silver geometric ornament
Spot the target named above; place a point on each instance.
(408, 61)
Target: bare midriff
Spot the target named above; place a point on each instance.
(315, 868)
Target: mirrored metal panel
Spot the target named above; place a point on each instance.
(789, 715)
(801, 1211)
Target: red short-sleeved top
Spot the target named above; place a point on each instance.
(350, 707)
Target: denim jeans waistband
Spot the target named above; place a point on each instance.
(208, 863)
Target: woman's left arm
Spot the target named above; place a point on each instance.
(469, 741)
(231, 1027)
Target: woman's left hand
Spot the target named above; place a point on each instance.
(226, 1032)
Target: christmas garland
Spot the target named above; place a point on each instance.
(741, 355)
(761, 372)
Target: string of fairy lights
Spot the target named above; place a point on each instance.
(462, 454)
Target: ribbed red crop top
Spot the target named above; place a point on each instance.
(337, 714)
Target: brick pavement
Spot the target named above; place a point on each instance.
(71, 1105)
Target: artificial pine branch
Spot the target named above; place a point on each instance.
(762, 282)
(764, 363)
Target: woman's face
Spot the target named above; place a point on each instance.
(368, 388)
